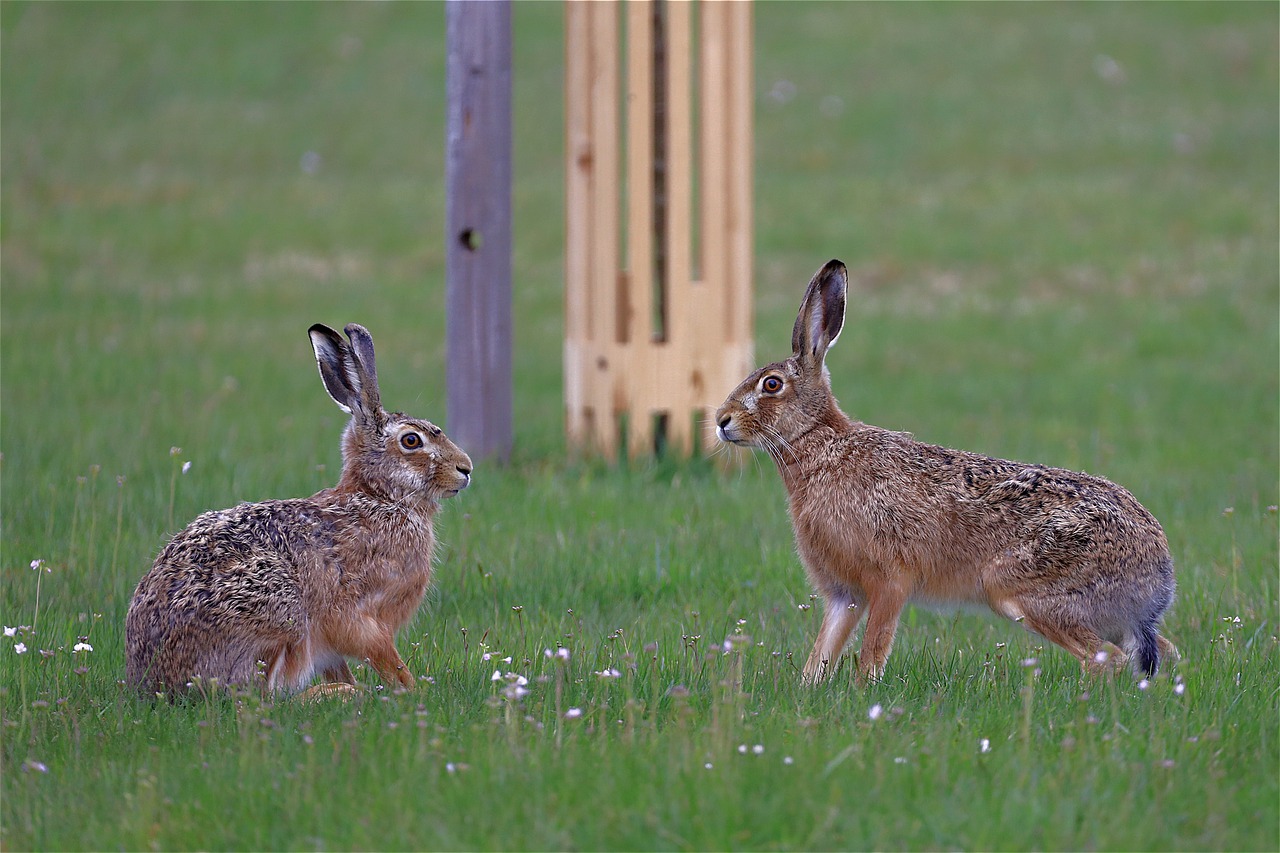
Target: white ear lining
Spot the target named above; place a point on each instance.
(352, 374)
(327, 354)
(816, 326)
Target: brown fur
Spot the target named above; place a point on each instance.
(882, 519)
(279, 591)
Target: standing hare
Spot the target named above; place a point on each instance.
(881, 519)
(278, 591)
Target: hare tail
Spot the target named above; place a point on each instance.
(1147, 659)
(1148, 641)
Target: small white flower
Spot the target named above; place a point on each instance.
(609, 673)
(497, 675)
(186, 466)
(742, 749)
(1109, 69)
(782, 91)
(451, 767)
(899, 760)
(875, 712)
(486, 656)
(707, 765)
(82, 647)
(573, 713)
(38, 766)
(1143, 684)
(831, 106)
(984, 745)
(1028, 662)
(10, 632)
(520, 680)
(1101, 656)
(788, 760)
(758, 749)
(1179, 688)
(20, 648)
(507, 659)
(562, 653)
(37, 565)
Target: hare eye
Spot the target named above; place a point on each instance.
(410, 441)
(771, 385)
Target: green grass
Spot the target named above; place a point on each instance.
(1061, 226)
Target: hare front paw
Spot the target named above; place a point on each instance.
(329, 690)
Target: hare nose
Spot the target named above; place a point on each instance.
(464, 470)
(724, 421)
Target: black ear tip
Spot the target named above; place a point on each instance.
(355, 330)
(323, 331)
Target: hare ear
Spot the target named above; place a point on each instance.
(821, 315)
(337, 369)
(366, 369)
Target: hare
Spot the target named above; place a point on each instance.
(277, 592)
(882, 519)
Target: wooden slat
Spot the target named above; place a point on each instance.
(604, 272)
(579, 233)
(680, 325)
(640, 367)
(714, 156)
(715, 148)
(740, 250)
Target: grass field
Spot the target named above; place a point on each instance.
(1061, 226)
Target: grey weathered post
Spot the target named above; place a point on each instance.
(478, 226)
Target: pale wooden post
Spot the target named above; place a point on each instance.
(656, 327)
(478, 229)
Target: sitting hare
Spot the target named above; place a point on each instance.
(882, 519)
(279, 591)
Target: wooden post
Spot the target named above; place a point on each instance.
(657, 295)
(478, 226)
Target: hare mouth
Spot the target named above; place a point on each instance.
(730, 435)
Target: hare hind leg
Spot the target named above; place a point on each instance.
(1081, 641)
(329, 690)
(336, 682)
(1168, 650)
(338, 673)
(839, 618)
(289, 666)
